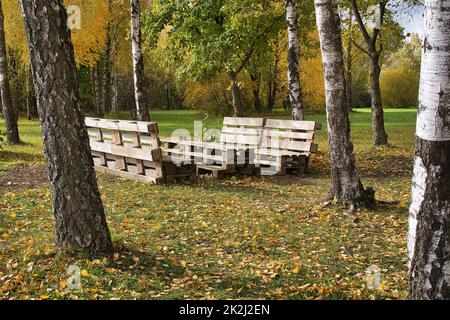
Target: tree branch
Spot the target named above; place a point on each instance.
(360, 47)
(360, 21)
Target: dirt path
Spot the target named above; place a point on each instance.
(23, 178)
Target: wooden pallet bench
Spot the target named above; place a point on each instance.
(286, 145)
(129, 149)
(239, 139)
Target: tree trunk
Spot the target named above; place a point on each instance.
(236, 92)
(114, 72)
(93, 76)
(168, 94)
(31, 96)
(106, 91)
(78, 209)
(429, 216)
(15, 93)
(346, 187)
(380, 136)
(256, 79)
(349, 66)
(273, 83)
(295, 94)
(12, 128)
(142, 110)
(115, 91)
(98, 91)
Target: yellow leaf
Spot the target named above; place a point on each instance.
(44, 297)
(84, 273)
(63, 284)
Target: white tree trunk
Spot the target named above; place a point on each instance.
(142, 110)
(429, 225)
(295, 94)
(346, 186)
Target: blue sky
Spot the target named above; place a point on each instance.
(412, 20)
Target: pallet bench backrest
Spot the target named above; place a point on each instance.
(290, 136)
(129, 149)
(242, 132)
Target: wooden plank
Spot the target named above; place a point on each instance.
(239, 139)
(293, 125)
(273, 133)
(133, 126)
(243, 131)
(190, 143)
(128, 175)
(252, 122)
(279, 153)
(124, 151)
(288, 145)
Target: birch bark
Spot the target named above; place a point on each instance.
(80, 221)
(142, 109)
(429, 226)
(295, 94)
(346, 187)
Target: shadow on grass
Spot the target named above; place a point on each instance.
(16, 156)
(142, 262)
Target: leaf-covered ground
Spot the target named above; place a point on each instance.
(243, 238)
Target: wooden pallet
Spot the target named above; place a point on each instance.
(286, 146)
(129, 149)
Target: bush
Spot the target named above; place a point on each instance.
(400, 86)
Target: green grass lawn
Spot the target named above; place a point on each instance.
(244, 238)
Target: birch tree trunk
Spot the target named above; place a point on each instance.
(114, 72)
(80, 221)
(142, 110)
(106, 90)
(114, 91)
(429, 216)
(295, 94)
(346, 187)
(12, 128)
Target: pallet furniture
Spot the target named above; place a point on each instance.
(286, 145)
(239, 139)
(129, 149)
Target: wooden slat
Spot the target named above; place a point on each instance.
(124, 151)
(133, 126)
(293, 125)
(129, 175)
(239, 139)
(195, 144)
(287, 145)
(234, 121)
(244, 131)
(273, 133)
(279, 153)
